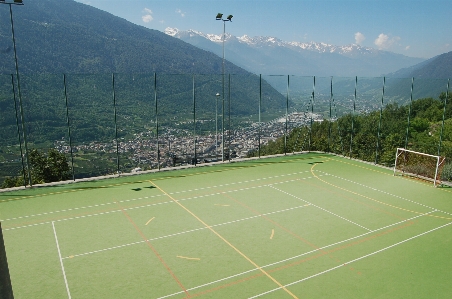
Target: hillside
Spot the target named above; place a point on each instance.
(438, 67)
(63, 36)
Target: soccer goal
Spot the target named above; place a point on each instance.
(419, 164)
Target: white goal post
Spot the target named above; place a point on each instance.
(419, 164)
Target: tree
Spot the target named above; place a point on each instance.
(45, 168)
(52, 167)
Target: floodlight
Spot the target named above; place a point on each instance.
(219, 16)
(17, 2)
(230, 18)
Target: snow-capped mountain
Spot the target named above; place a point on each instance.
(270, 55)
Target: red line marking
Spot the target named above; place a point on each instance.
(155, 251)
(321, 253)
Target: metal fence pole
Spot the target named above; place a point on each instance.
(312, 114)
(287, 115)
(156, 121)
(21, 109)
(24, 173)
(444, 117)
(68, 126)
(194, 121)
(229, 117)
(353, 119)
(116, 125)
(409, 114)
(330, 116)
(259, 119)
(377, 148)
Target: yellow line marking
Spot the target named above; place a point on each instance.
(189, 258)
(367, 197)
(71, 256)
(273, 233)
(149, 220)
(217, 204)
(226, 241)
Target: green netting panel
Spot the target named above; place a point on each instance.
(136, 123)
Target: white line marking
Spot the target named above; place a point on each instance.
(61, 260)
(384, 192)
(181, 233)
(354, 260)
(295, 257)
(149, 197)
(287, 193)
(153, 204)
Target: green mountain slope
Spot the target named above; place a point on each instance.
(63, 36)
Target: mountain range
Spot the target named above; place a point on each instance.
(270, 55)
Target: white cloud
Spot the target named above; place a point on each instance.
(182, 14)
(407, 48)
(148, 16)
(359, 38)
(383, 41)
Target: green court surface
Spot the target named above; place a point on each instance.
(298, 226)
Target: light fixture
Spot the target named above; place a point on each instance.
(219, 17)
(16, 2)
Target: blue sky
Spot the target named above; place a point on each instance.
(417, 28)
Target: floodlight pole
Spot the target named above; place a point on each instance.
(216, 126)
(219, 17)
(19, 2)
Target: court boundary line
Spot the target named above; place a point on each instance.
(384, 192)
(150, 172)
(373, 199)
(153, 204)
(297, 256)
(355, 260)
(149, 197)
(61, 260)
(383, 167)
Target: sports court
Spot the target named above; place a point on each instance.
(297, 226)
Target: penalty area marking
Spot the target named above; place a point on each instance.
(149, 221)
(189, 258)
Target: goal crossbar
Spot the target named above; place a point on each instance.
(439, 163)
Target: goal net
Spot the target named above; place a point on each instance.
(421, 165)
